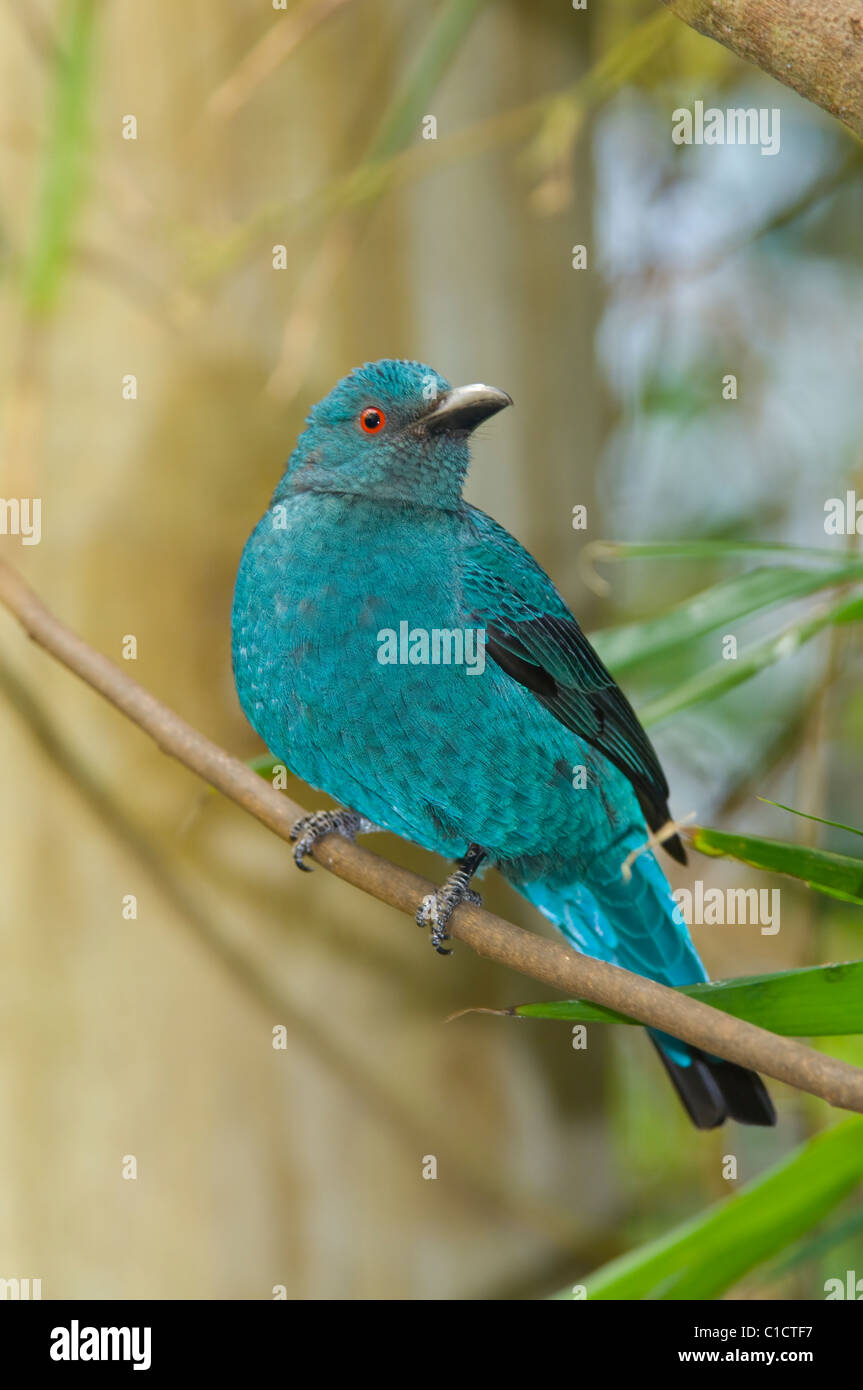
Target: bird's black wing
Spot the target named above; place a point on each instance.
(533, 637)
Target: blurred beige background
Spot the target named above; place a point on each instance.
(152, 1037)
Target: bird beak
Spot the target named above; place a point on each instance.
(463, 408)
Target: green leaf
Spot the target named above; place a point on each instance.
(265, 765)
(816, 1246)
(819, 1001)
(570, 1011)
(839, 875)
(851, 612)
(725, 675)
(702, 550)
(65, 159)
(724, 603)
(707, 1255)
(837, 824)
(448, 29)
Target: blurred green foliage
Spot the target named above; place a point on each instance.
(707, 1255)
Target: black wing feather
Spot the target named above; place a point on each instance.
(596, 709)
(533, 637)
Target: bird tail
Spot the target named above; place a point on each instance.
(636, 924)
(714, 1091)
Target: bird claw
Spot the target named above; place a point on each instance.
(309, 829)
(437, 908)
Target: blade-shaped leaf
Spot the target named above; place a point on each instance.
(265, 765)
(822, 820)
(819, 1001)
(725, 675)
(839, 875)
(815, 1246)
(66, 159)
(707, 1255)
(724, 603)
(708, 549)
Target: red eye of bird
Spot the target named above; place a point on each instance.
(373, 419)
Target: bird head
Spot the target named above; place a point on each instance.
(391, 430)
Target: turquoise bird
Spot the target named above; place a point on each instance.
(402, 652)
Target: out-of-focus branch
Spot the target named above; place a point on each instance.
(550, 962)
(814, 46)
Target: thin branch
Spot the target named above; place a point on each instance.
(273, 48)
(549, 962)
(814, 46)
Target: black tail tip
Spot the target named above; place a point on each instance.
(713, 1091)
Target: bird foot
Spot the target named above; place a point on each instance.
(314, 827)
(437, 908)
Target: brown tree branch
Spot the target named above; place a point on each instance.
(814, 46)
(550, 962)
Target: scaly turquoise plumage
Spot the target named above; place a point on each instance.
(368, 530)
